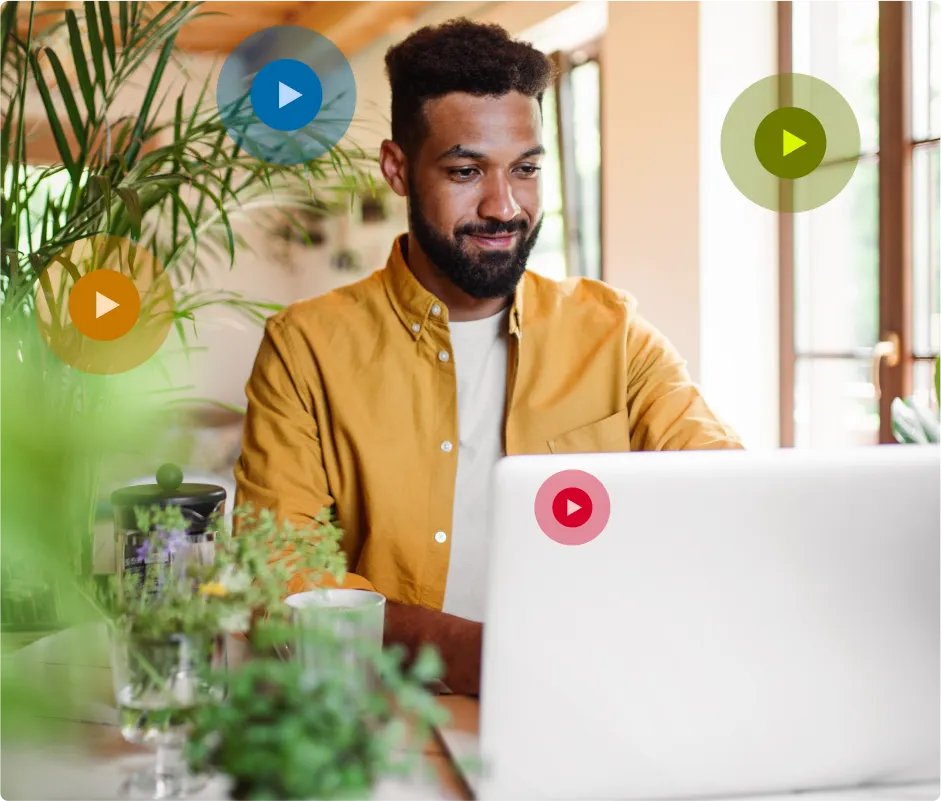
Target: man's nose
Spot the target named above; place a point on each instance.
(498, 202)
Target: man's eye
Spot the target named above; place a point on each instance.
(464, 173)
(529, 169)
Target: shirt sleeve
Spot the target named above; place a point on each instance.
(666, 410)
(281, 464)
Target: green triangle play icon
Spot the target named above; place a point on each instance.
(791, 142)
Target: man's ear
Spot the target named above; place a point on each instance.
(393, 163)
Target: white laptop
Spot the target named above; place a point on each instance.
(744, 623)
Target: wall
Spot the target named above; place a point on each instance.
(650, 158)
(700, 258)
(738, 276)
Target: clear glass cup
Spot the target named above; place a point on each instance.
(159, 685)
(338, 630)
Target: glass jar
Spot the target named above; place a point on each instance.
(199, 503)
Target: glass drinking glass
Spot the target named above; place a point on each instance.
(338, 630)
(159, 684)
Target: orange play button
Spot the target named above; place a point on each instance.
(104, 305)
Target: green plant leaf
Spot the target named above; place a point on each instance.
(123, 21)
(62, 83)
(58, 134)
(155, 79)
(937, 380)
(132, 204)
(80, 63)
(94, 45)
(107, 31)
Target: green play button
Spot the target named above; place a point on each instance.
(790, 142)
(774, 148)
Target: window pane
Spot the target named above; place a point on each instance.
(834, 403)
(551, 173)
(586, 103)
(926, 69)
(838, 42)
(548, 256)
(935, 26)
(923, 380)
(926, 252)
(836, 268)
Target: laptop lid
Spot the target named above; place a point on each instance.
(745, 622)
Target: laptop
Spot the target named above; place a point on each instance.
(710, 624)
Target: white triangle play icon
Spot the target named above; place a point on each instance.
(571, 507)
(286, 94)
(103, 305)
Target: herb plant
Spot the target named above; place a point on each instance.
(280, 734)
(182, 595)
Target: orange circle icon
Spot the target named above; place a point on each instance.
(104, 305)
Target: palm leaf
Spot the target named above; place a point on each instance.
(80, 63)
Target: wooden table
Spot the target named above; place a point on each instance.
(89, 756)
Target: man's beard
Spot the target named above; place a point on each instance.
(485, 275)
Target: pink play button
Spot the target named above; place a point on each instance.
(572, 507)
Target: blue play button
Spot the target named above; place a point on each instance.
(286, 94)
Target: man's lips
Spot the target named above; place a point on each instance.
(494, 241)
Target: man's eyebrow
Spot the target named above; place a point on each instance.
(539, 150)
(461, 152)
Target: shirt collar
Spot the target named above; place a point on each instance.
(416, 307)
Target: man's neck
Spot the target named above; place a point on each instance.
(462, 307)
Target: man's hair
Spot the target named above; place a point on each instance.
(458, 56)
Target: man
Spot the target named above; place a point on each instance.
(391, 399)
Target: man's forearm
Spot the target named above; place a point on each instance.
(459, 641)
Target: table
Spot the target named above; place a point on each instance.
(92, 758)
(79, 658)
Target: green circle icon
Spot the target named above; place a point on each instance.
(790, 142)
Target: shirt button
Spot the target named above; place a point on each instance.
(416, 327)
(443, 355)
(436, 310)
(440, 536)
(446, 446)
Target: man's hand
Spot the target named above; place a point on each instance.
(459, 642)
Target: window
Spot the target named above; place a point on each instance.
(860, 276)
(570, 240)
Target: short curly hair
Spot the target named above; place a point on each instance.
(458, 56)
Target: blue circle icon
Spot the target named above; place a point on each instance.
(286, 95)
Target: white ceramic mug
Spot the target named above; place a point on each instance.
(337, 629)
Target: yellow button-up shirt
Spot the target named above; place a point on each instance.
(352, 403)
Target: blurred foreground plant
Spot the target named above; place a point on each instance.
(159, 170)
(280, 734)
(913, 422)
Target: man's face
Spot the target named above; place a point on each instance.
(474, 189)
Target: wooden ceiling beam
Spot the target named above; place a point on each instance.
(353, 25)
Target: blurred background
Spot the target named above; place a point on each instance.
(789, 322)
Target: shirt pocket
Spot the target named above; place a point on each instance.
(610, 435)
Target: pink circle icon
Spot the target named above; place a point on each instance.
(572, 507)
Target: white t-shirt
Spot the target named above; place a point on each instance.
(480, 360)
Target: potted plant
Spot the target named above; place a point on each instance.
(279, 733)
(164, 175)
(168, 620)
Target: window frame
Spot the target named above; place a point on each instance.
(896, 149)
(564, 62)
